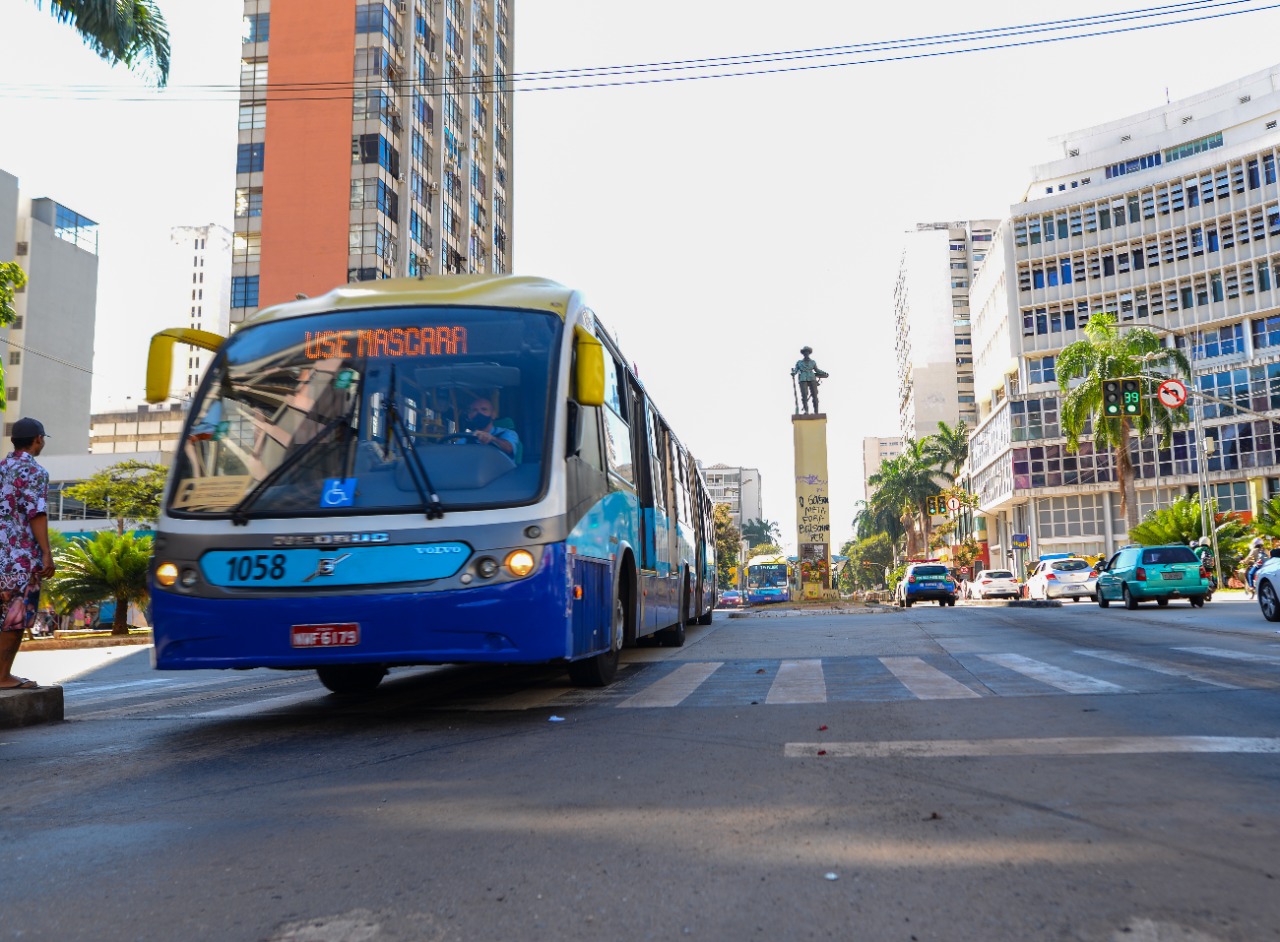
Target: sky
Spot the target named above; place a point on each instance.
(715, 226)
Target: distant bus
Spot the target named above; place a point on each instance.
(768, 579)
(335, 505)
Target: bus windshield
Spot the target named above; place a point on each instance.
(767, 575)
(343, 412)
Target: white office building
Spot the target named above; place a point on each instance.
(737, 487)
(931, 324)
(200, 266)
(1169, 219)
(875, 452)
(48, 350)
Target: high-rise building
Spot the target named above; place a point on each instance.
(931, 324)
(875, 452)
(200, 263)
(737, 487)
(375, 141)
(1170, 220)
(48, 351)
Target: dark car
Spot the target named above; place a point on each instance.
(1153, 573)
(926, 582)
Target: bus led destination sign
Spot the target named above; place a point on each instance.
(442, 340)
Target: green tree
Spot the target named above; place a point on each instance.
(109, 566)
(129, 490)
(871, 518)
(868, 559)
(901, 487)
(761, 531)
(948, 448)
(1107, 353)
(130, 31)
(727, 539)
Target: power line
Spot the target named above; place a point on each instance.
(732, 66)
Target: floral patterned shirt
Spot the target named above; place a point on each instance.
(24, 488)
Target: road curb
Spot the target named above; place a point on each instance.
(1016, 603)
(29, 707)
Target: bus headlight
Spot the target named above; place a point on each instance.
(166, 574)
(487, 567)
(189, 578)
(520, 563)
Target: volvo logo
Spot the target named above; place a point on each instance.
(329, 539)
(437, 550)
(326, 566)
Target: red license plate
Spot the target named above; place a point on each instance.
(325, 636)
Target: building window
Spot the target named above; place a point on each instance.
(244, 291)
(1041, 370)
(15, 357)
(253, 114)
(249, 157)
(256, 28)
(248, 201)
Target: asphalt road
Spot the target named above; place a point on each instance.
(968, 773)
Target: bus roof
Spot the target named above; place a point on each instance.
(767, 559)
(507, 291)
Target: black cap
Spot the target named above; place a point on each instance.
(27, 428)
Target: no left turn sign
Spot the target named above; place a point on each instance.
(1172, 393)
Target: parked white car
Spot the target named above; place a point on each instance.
(1063, 579)
(995, 584)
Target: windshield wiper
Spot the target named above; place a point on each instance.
(432, 504)
(239, 513)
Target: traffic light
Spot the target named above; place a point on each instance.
(1111, 397)
(1131, 395)
(931, 506)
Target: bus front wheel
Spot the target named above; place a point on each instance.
(352, 679)
(599, 670)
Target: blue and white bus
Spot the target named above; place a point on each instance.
(335, 503)
(768, 579)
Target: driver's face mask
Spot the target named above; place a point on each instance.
(476, 421)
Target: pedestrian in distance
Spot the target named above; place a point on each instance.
(1253, 562)
(25, 559)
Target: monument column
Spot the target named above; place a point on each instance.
(813, 512)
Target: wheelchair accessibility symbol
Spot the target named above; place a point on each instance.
(338, 492)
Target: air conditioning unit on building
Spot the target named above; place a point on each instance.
(402, 6)
(434, 57)
(433, 187)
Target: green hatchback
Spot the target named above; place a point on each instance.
(1152, 573)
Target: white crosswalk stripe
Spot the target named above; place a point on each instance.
(1066, 680)
(926, 681)
(675, 687)
(1159, 667)
(798, 682)
(1234, 655)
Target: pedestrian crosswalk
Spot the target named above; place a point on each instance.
(696, 684)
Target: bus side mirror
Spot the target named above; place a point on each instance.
(589, 372)
(160, 357)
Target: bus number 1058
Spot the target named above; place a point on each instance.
(255, 568)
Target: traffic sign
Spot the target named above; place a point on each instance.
(1172, 393)
(953, 504)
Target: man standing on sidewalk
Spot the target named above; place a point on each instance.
(25, 560)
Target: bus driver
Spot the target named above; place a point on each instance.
(479, 422)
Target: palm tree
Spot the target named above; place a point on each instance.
(110, 566)
(1104, 354)
(948, 448)
(761, 531)
(128, 31)
(902, 485)
(869, 520)
(1180, 522)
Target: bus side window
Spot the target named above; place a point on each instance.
(590, 452)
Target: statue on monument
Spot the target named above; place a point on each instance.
(807, 374)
